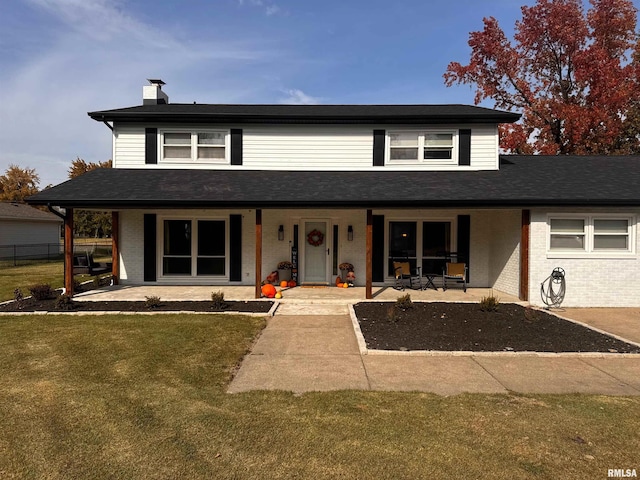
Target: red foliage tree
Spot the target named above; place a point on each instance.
(574, 75)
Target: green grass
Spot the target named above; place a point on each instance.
(23, 276)
(144, 397)
(26, 275)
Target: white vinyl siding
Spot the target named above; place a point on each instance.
(304, 147)
(484, 147)
(128, 146)
(312, 148)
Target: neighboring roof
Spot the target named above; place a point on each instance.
(26, 213)
(312, 114)
(521, 181)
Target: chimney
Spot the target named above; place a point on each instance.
(153, 94)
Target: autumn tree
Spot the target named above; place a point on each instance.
(89, 223)
(574, 76)
(18, 183)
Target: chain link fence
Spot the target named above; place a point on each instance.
(15, 255)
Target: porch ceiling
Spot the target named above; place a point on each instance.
(520, 181)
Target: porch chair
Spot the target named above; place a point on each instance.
(455, 273)
(404, 275)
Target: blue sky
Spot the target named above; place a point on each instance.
(62, 58)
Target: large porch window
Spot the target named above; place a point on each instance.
(194, 248)
(436, 243)
(402, 243)
(434, 237)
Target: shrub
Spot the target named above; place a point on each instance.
(96, 282)
(64, 302)
(17, 295)
(489, 304)
(152, 301)
(218, 300)
(404, 302)
(392, 314)
(42, 291)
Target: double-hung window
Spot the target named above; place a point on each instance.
(206, 146)
(593, 235)
(427, 147)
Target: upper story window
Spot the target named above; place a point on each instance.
(427, 146)
(591, 234)
(206, 146)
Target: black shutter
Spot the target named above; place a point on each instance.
(378, 148)
(464, 147)
(377, 254)
(149, 256)
(464, 241)
(236, 146)
(150, 145)
(235, 248)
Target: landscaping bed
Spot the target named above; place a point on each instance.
(464, 327)
(50, 305)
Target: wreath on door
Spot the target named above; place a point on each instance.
(315, 238)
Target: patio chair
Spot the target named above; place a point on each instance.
(455, 273)
(405, 275)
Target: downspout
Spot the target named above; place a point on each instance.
(58, 214)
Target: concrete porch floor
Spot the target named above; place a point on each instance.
(306, 295)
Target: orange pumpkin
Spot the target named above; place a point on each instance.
(284, 284)
(339, 285)
(291, 284)
(269, 290)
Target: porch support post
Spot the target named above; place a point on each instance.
(369, 255)
(68, 251)
(258, 291)
(524, 255)
(115, 247)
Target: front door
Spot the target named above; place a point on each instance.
(316, 252)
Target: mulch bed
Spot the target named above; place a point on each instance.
(464, 327)
(32, 305)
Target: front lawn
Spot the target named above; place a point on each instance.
(23, 276)
(144, 397)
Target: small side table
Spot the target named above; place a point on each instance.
(429, 282)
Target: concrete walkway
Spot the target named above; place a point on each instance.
(313, 348)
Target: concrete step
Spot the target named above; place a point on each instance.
(306, 308)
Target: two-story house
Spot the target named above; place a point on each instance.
(220, 194)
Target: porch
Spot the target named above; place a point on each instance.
(302, 295)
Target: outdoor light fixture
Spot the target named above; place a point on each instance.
(350, 233)
(281, 232)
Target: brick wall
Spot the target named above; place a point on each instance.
(590, 282)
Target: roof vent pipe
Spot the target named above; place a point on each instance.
(153, 94)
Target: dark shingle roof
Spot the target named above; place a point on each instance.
(312, 114)
(20, 211)
(521, 181)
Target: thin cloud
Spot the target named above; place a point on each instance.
(298, 97)
(269, 8)
(97, 56)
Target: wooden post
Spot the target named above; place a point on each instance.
(115, 247)
(524, 255)
(258, 292)
(369, 255)
(68, 251)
